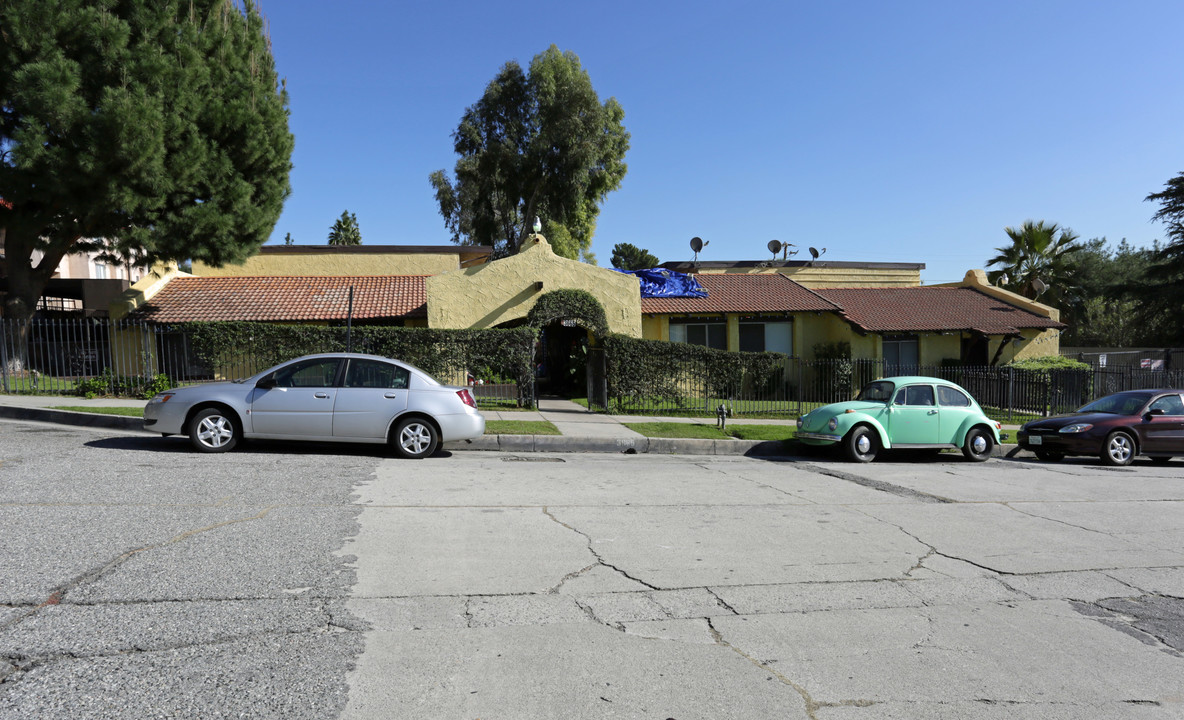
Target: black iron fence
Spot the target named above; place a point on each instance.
(796, 386)
(137, 359)
(133, 358)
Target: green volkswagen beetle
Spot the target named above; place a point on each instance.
(903, 412)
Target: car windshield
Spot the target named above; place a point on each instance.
(878, 391)
(1120, 404)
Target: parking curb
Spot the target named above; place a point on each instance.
(72, 417)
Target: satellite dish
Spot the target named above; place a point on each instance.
(1002, 280)
(1039, 286)
(696, 244)
(814, 253)
(774, 247)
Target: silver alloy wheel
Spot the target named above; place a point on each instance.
(215, 431)
(415, 438)
(1119, 448)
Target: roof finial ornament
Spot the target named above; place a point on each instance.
(538, 225)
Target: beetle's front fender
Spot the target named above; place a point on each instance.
(846, 421)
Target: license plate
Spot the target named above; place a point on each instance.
(1035, 440)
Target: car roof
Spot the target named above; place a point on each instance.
(912, 379)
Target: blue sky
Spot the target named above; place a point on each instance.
(882, 131)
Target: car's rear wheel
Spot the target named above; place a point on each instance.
(1119, 449)
(861, 444)
(1050, 456)
(213, 430)
(978, 445)
(415, 438)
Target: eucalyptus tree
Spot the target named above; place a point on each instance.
(537, 144)
(628, 256)
(153, 128)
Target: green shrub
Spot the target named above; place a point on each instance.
(1049, 362)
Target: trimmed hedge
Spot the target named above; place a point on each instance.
(644, 370)
(491, 354)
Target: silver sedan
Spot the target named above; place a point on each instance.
(342, 397)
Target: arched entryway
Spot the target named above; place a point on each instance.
(571, 324)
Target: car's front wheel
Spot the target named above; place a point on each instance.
(861, 444)
(978, 445)
(1119, 449)
(415, 438)
(213, 430)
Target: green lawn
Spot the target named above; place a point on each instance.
(126, 411)
(520, 427)
(703, 431)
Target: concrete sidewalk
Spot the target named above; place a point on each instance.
(580, 430)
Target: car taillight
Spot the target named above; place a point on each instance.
(467, 398)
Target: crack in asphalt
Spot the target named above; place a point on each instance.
(812, 705)
(94, 574)
(599, 559)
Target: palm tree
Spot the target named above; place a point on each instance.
(1038, 263)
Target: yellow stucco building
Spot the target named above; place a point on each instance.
(792, 307)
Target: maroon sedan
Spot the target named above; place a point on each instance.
(1116, 428)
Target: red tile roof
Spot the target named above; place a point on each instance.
(766, 292)
(265, 299)
(927, 309)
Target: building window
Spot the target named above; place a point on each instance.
(901, 353)
(100, 271)
(766, 337)
(711, 334)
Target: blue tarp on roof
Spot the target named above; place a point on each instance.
(657, 283)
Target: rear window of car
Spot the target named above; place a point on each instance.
(915, 395)
(952, 397)
(375, 374)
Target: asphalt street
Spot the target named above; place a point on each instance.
(138, 579)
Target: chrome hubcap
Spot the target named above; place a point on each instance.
(979, 444)
(1120, 448)
(214, 431)
(415, 439)
(863, 444)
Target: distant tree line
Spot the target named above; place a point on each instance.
(1108, 295)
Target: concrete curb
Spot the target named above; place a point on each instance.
(498, 443)
(70, 417)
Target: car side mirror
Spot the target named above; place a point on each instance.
(1154, 411)
(266, 382)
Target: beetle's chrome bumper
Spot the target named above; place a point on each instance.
(823, 437)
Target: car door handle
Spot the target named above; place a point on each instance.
(391, 396)
(931, 412)
(322, 395)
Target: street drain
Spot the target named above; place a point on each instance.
(515, 458)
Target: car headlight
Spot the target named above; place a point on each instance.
(1076, 428)
(833, 423)
(161, 398)
(800, 423)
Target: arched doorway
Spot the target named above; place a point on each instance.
(571, 324)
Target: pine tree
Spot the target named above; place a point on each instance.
(149, 127)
